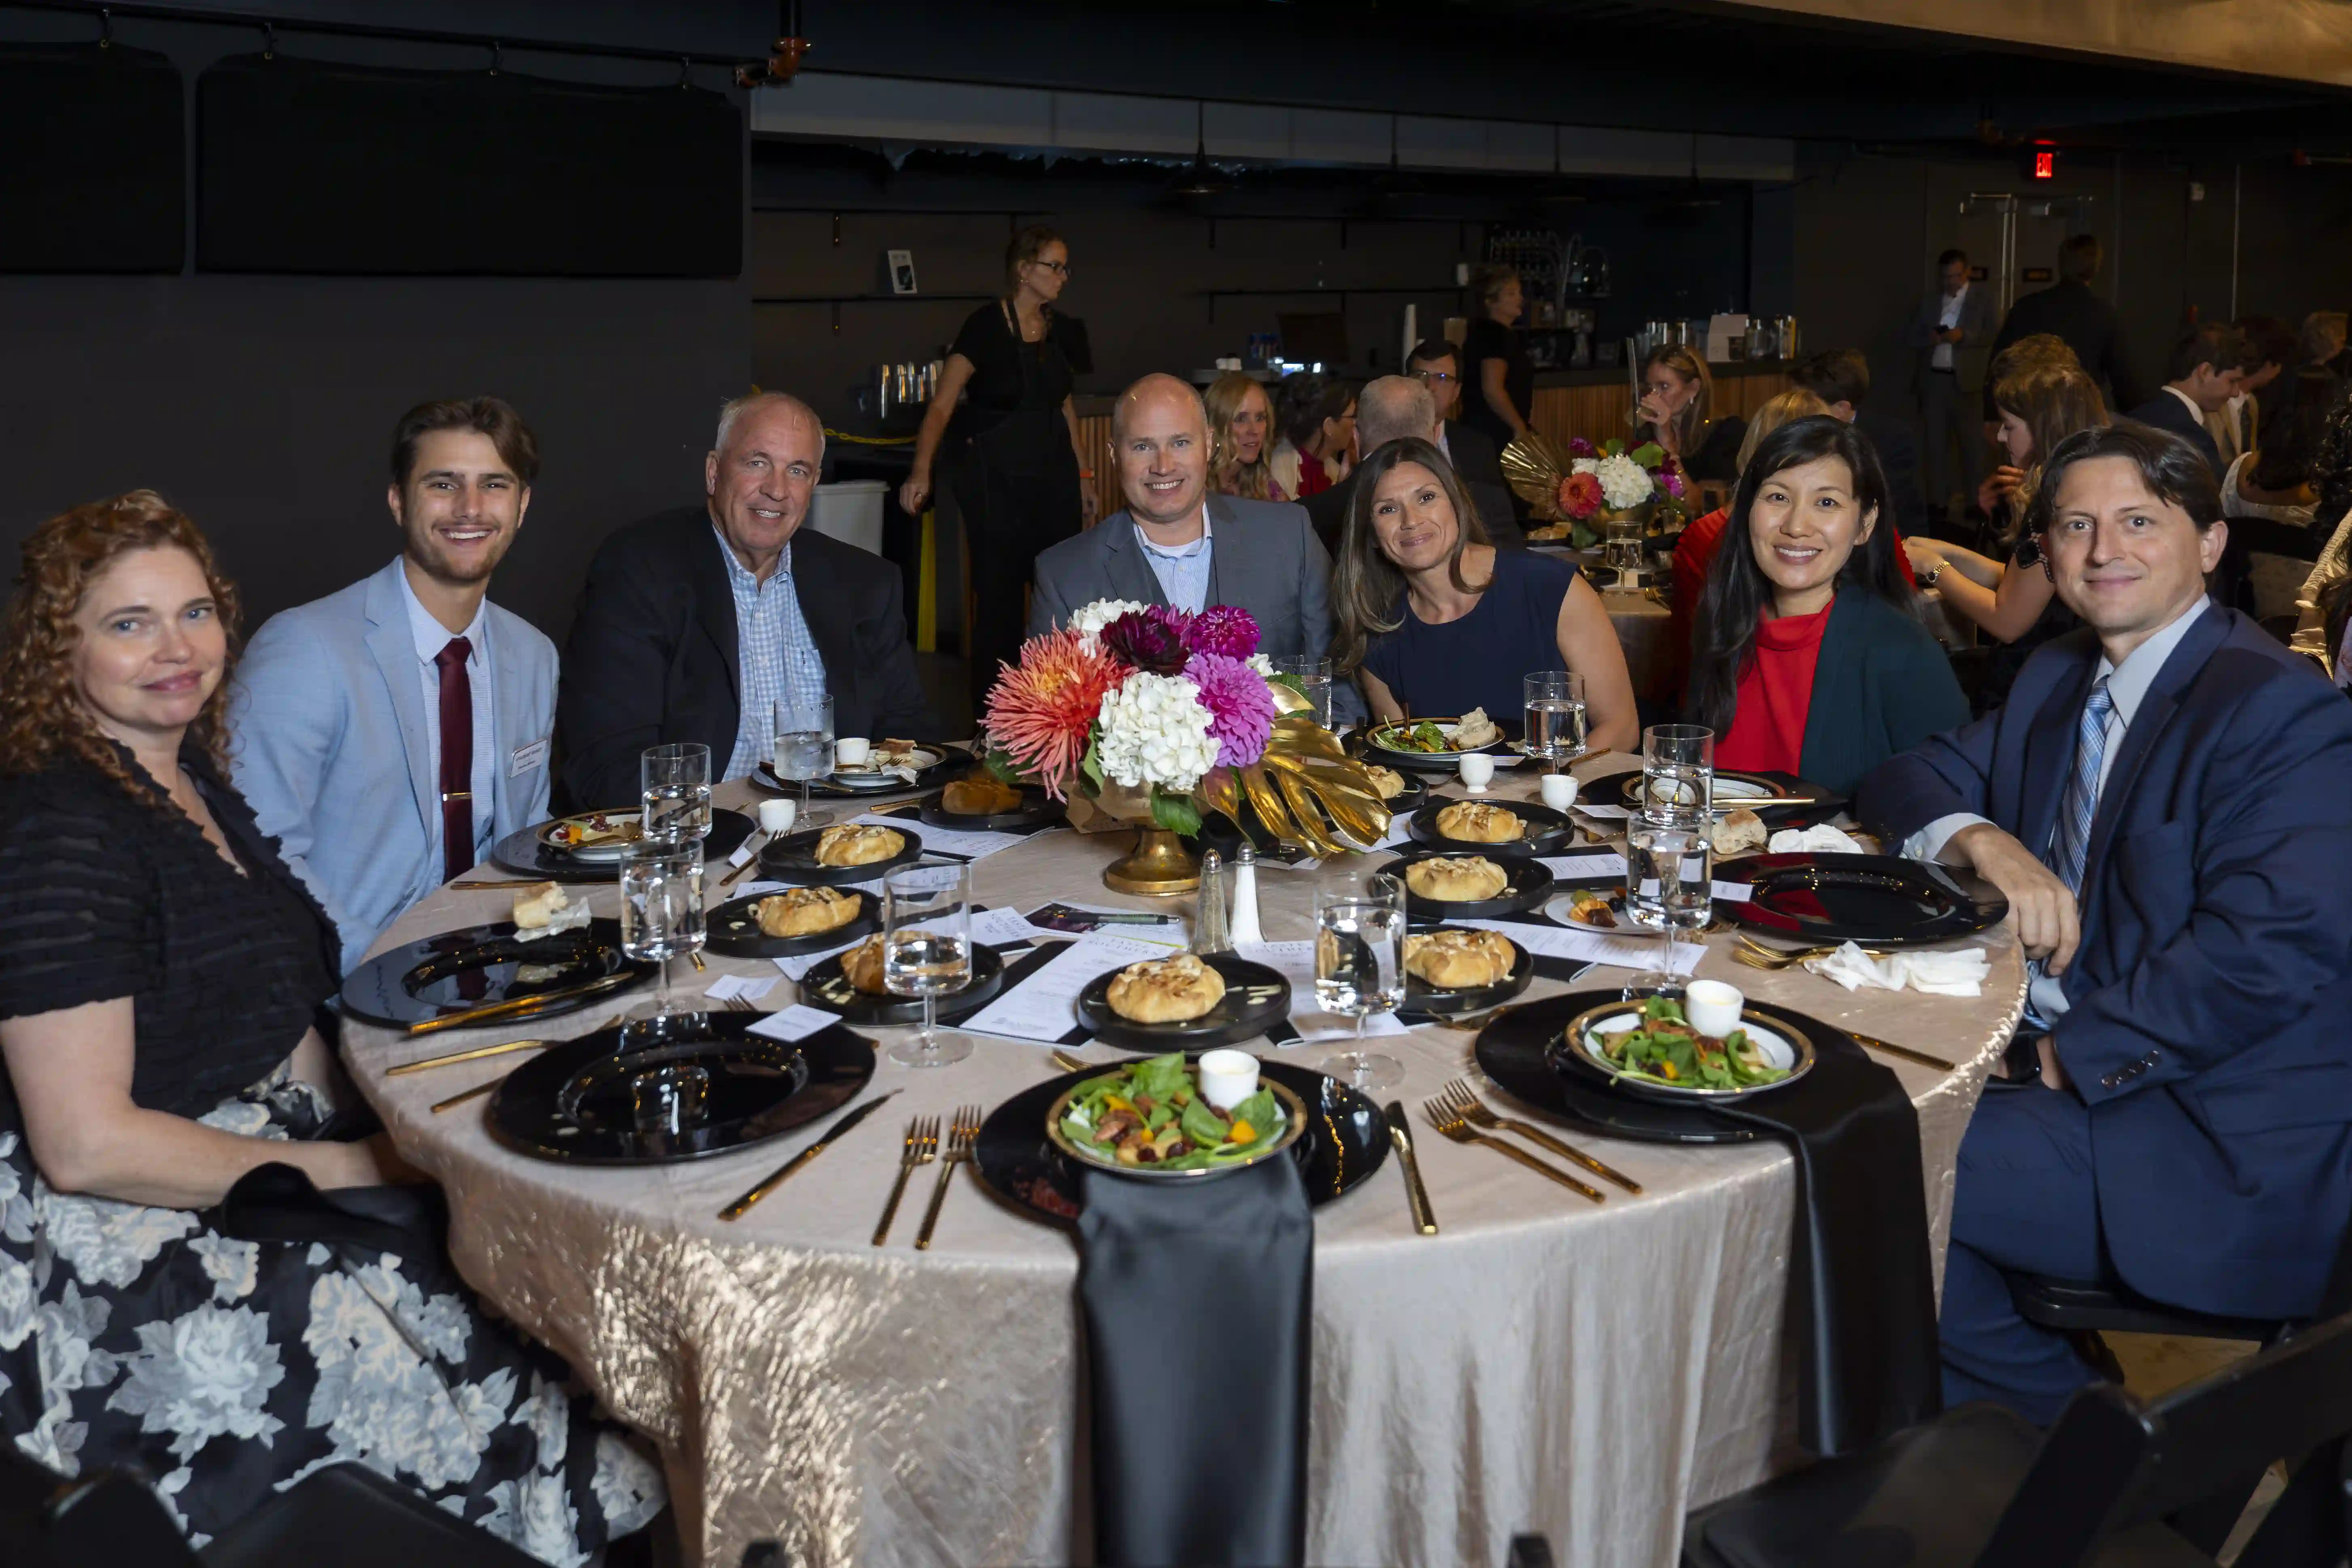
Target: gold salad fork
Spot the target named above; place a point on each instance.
(922, 1145)
(1462, 1099)
(1451, 1123)
(961, 1138)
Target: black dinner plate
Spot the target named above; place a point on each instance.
(827, 986)
(1036, 809)
(952, 759)
(574, 1102)
(1421, 997)
(1547, 831)
(1344, 1143)
(1883, 900)
(1407, 800)
(521, 852)
(1504, 746)
(792, 859)
(425, 979)
(1256, 998)
(1517, 1050)
(733, 929)
(1530, 884)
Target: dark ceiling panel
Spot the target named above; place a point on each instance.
(93, 161)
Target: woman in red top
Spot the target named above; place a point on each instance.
(1808, 657)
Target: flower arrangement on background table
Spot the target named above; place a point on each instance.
(1586, 484)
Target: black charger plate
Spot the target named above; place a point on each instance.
(572, 1101)
(827, 986)
(1422, 997)
(734, 930)
(1548, 832)
(1530, 884)
(1344, 1143)
(792, 859)
(521, 851)
(1881, 901)
(1038, 809)
(419, 982)
(1256, 999)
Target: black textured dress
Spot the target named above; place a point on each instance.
(225, 1369)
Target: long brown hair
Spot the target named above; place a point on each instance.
(1024, 248)
(42, 717)
(1691, 423)
(2053, 400)
(1251, 482)
(1366, 585)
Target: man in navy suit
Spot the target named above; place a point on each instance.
(2162, 800)
(2209, 368)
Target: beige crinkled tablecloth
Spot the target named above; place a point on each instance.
(1542, 1364)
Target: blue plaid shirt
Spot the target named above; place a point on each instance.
(1183, 570)
(775, 655)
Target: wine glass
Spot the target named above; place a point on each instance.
(661, 912)
(927, 950)
(1360, 969)
(1554, 703)
(1669, 889)
(804, 749)
(676, 793)
(1678, 775)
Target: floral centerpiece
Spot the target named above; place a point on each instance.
(1587, 485)
(1155, 716)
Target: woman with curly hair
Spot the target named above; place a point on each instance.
(161, 1070)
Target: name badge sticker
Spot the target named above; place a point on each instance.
(526, 758)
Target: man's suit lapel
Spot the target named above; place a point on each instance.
(1220, 520)
(394, 650)
(1132, 576)
(2050, 755)
(714, 606)
(2197, 645)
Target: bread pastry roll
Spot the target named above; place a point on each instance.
(1388, 781)
(541, 909)
(852, 845)
(1459, 959)
(1457, 878)
(979, 795)
(1166, 990)
(805, 911)
(1477, 822)
(863, 966)
(1475, 730)
(1737, 831)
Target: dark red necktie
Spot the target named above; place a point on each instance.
(456, 760)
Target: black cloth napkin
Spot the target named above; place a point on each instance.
(1862, 1281)
(281, 1203)
(1199, 1301)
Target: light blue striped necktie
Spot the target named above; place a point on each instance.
(2072, 842)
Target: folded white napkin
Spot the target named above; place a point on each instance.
(1821, 839)
(1959, 974)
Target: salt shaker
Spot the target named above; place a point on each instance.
(1212, 929)
(1244, 926)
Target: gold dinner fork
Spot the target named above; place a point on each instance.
(961, 1138)
(922, 1145)
(1785, 957)
(1462, 1099)
(1449, 1123)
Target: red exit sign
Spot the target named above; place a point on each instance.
(2041, 162)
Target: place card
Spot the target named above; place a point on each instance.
(1586, 867)
(1295, 962)
(795, 1023)
(952, 841)
(1044, 1007)
(797, 969)
(1728, 892)
(1003, 928)
(726, 987)
(1595, 947)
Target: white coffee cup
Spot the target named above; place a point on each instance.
(851, 750)
(1712, 1007)
(1477, 771)
(776, 816)
(1558, 790)
(1227, 1078)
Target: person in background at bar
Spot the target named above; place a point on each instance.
(1952, 332)
(1317, 414)
(1437, 365)
(1806, 654)
(1013, 445)
(2069, 311)
(2207, 368)
(2011, 599)
(2237, 427)
(162, 975)
(696, 621)
(1392, 408)
(1840, 378)
(2326, 598)
(330, 694)
(1434, 621)
(1240, 438)
(1498, 382)
(1673, 409)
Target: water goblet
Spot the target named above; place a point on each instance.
(1360, 971)
(1678, 775)
(675, 791)
(927, 950)
(661, 912)
(1313, 679)
(1555, 728)
(803, 751)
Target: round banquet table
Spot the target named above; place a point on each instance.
(1543, 1363)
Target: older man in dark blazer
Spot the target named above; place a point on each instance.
(695, 622)
(2161, 799)
(1175, 543)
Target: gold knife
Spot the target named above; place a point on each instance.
(1067, 1062)
(1416, 1196)
(453, 1058)
(1905, 1052)
(742, 1205)
(522, 1007)
(476, 1093)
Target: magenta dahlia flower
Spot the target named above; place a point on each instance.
(1227, 630)
(1241, 709)
(1149, 639)
(1578, 447)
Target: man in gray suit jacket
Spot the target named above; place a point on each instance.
(1953, 329)
(1177, 544)
(391, 733)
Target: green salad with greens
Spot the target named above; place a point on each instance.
(1424, 736)
(1151, 1115)
(1664, 1049)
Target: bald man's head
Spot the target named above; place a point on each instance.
(1159, 432)
(761, 474)
(1393, 408)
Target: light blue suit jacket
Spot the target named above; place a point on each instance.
(328, 737)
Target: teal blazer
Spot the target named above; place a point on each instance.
(1883, 685)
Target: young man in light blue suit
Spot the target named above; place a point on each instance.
(391, 733)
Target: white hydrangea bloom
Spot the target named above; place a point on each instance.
(1624, 483)
(1155, 731)
(1088, 620)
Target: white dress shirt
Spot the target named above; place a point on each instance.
(1941, 359)
(2127, 685)
(432, 636)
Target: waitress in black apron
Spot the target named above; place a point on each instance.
(1011, 449)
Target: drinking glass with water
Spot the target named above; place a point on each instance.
(1313, 679)
(1360, 969)
(675, 781)
(803, 751)
(661, 908)
(1669, 889)
(1555, 728)
(1678, 775)
(927, 950)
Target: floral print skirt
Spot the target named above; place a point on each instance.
(226, 1371)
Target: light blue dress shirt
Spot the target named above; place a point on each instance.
(431, 637)
(1183, 571)
(775, 657)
